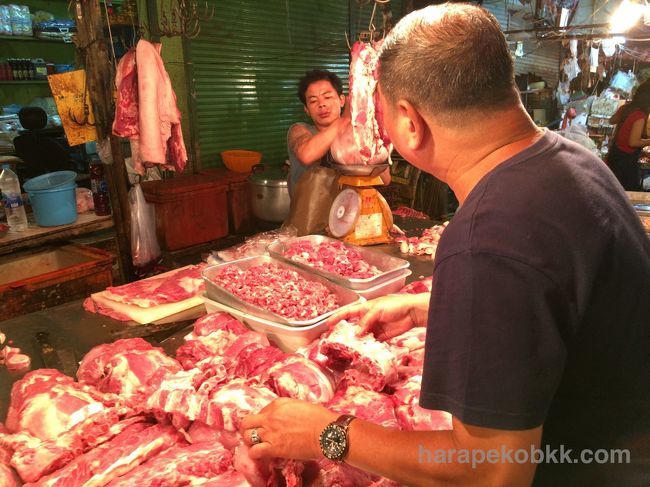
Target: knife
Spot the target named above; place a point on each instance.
(63, 360)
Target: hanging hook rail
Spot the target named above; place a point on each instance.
(181, 18)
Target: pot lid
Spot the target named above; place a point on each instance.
(269, 177)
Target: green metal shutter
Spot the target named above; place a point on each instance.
(246, 63)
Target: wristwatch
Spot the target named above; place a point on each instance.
(334, 438)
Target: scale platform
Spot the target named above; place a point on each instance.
(360, 215)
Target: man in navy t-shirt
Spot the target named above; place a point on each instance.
(538, 323)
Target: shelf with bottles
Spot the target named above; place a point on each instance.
(37, 39)
(26, 70)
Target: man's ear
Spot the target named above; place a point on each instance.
(342, 100)
(413, 126)
(304, 107)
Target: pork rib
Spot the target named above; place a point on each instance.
(363, 359)
(364, 140)
(180, 465)
(99, 466)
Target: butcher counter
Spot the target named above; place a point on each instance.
(59, 337)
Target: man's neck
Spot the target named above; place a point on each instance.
(476, 149)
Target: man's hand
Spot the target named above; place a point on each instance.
(387, 316)
(287, 428)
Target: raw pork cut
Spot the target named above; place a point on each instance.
(230, 478)
(258, 473)
(178, 395)
(300, 378)
(130, 372)
(93, 306)
(405, 211)
(418, 287)
(332, 474)
(126, 367)
(334, 257)
(199, 432)
(216, 322)
(146, 110)
(409, 413)
(47, 403)
(32, 458)
(180, 465)
(364, 360)
(277, 289)
(408, 341)
(12, 357)
(211, 336)
(255, 360)
(238, 399)
(8, 476)
(91, 368)
(372, 406)
(99, 466)
(364, 140)
(426, 244)
(170, 288)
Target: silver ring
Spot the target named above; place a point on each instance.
(255, 438)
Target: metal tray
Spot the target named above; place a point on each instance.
(219, 294)
(389, 266)
(360, 169)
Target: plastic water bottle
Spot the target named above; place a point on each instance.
(12, 200)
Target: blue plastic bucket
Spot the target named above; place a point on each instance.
(50, 180)
(56, 206)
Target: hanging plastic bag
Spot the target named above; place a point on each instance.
(144, 244)
(624, 82)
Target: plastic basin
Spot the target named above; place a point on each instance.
(56, 206)
(50, 180)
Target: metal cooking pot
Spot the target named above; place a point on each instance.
(269, 194)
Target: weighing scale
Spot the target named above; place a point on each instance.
(359, 214)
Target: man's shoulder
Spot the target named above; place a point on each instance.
(300, 127)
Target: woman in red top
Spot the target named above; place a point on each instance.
(623, 157)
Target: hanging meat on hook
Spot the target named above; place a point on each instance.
(364, 140)
(146, 110)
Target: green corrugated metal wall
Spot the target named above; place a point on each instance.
(246, 63)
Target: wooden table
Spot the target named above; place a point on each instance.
(35, 235)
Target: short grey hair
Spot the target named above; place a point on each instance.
(448, 60)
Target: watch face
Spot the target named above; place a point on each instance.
(333, 442)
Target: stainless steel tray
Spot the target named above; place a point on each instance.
(218, 293)
(388, 265)
(360, 169)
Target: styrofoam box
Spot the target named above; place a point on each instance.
(286, 338)
(391, 286)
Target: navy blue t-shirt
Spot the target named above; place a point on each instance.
(540, 311)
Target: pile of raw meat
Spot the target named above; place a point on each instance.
(146, 293)
(364, 140)
(12, 357)
(425, 245)
(334, 257)
(277, 289)
(136, 416)
(405, 211)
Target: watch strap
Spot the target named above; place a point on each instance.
(344, 421)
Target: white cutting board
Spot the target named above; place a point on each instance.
(163, 313)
